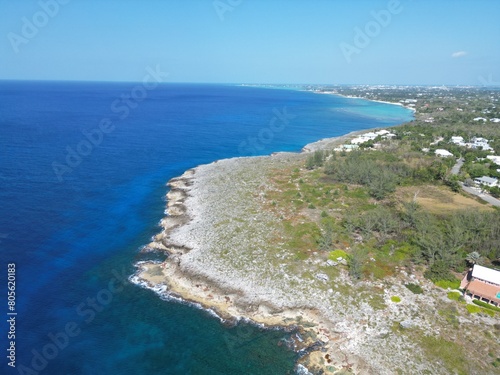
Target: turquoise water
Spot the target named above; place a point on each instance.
(74, 231)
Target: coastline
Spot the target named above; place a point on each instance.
(192, 272)
(370, 100)
(182, 280)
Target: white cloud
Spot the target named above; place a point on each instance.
(458, 54)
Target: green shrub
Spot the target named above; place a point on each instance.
(440, 271)
(454, 296)
(355, 263)
(395, 299)
(489, 312)
(485, 305)
(335, 254)
(415, 289)
(496, 362)
(473, 309)
(445, 284)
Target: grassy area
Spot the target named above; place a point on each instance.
(448, 284)
(473, 309)
(454, 296)
(336, 254)
(439, 199)
(447, 353)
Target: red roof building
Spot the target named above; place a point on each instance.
(482, 283)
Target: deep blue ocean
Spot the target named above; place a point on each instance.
(83, 168)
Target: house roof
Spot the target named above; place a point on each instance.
(443, 152)
(487, 180)
(489, 291)
(486, 274)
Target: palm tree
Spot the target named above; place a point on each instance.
(473, 258)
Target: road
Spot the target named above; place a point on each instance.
(457, 166)
(474, 190)
(478, 192)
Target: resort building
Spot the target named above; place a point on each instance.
(482, 283)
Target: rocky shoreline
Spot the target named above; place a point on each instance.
(228, 255)
(183, 278)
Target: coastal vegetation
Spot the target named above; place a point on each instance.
(361, 203)
(395, 202)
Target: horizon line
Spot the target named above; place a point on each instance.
(257, 84)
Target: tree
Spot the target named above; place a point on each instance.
(429, 238)
(355, 263)
(410, 214)
(310, 162)
(453, 183)
(473, 258)
(478, 170)
(382, 184)
(326, 239)
(439, 270)
(315, 160)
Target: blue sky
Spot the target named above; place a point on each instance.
(253, 41)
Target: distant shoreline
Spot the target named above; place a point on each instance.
(360, 97)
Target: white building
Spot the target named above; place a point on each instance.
(389, 135)
(458, 140)
(370, 135)
(364, 138)
(480, 142)
(494, 158)
(443, 153)
(486, 181)
(482, 283)
(347, 148)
